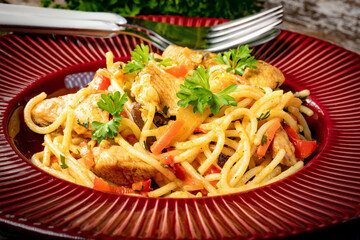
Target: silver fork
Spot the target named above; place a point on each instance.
(252, 30)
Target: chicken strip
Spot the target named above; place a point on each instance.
(115, 164)
(190, 58)
(220, 79)
(265, 75)
(281, 141)
(154, 85)
(87, 111)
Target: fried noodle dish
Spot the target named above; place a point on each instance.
(182, 124)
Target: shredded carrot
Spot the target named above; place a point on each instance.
(87, 155)
(267, 139)
(177, 71)
(102, 185)
(165, 139)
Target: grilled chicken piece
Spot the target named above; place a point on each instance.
(47, 111)
(115, 164)
(265, 75)
(87, 111)
(190, 58)
(154, 85)
(220, 79)
(281, 141)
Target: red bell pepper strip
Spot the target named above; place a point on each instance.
(184, 176)
(303, 149)
(177, 71)
(142, 186)
(100, 82)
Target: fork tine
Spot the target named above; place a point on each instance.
(273, 22)
(273, 15)
(154, 40)
(236, 41)
(243, 20)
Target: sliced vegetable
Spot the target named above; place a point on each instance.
(87, 155)
(165, 139)
(102, 185)
(213, 169)
(100, 82)
(222, 159)
(142, 186)
(267, 138)
(168, 162)
(200, 130)
(303, 149)
(131, 138)
(177, 70)
(184, 176)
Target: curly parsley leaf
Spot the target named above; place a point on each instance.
(196, 92)
(237, 59)
(113, 104)
(139, 60)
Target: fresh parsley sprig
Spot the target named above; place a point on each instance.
(196, 92)
(237, 59)
(113, 104)
(139, 60)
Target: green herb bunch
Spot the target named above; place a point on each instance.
(230, 9)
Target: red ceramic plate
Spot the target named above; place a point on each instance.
(325, 192)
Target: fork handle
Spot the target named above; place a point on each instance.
(35, 24)
(62, 13)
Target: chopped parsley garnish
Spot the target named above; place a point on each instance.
(166, 62)
(62, 160)
(264, 115)
(196, 92)
(113, 104)
(142, 189)
(263, 140)
(237, 59)
(139, 60)
(166, 166)
(85, 125)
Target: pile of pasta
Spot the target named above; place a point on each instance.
(206, 154)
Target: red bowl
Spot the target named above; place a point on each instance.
(325, 192)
